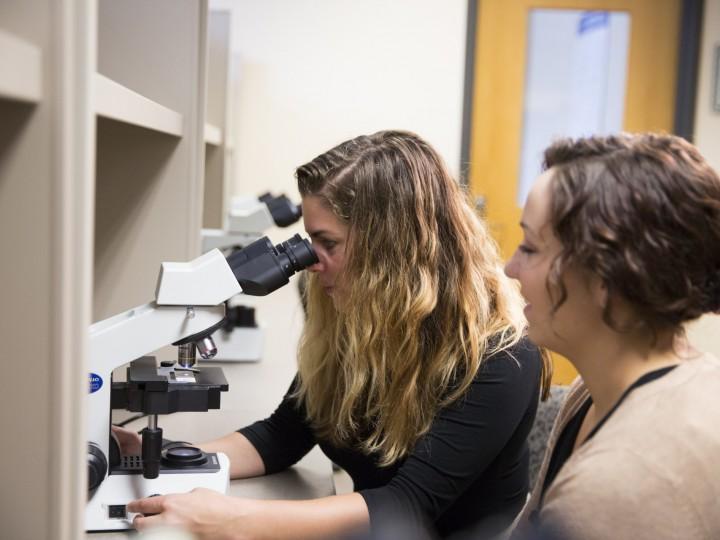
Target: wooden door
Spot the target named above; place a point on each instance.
(500, 109)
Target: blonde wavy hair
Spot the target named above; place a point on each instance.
(425, 299)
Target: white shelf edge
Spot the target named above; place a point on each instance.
(213, 135)
(20, 69)
(117, 102)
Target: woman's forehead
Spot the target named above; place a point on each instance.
(536, 213)
(318, 218)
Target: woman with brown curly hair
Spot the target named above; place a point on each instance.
(621, 248)
(413, 371)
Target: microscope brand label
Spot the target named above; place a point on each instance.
(95, 381)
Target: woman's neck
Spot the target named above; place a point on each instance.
(612, 364)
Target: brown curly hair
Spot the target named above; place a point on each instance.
(643, 213)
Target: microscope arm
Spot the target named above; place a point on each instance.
(141, 330)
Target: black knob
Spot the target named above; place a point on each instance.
(151, 449)
(97, 466)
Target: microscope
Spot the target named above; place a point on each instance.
(241, 339)
(188, 308)
(248, 217)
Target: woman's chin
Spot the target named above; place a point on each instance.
(534, 335)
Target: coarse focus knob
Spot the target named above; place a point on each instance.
(97, 466)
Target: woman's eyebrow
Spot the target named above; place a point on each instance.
(532, 232)
(322, 235)
(527, 228)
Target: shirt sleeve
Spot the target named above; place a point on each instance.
(464, 439)
(283, 438)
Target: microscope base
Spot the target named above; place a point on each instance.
(105, 511)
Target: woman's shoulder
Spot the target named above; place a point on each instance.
(521, 360)
(709, 361)
(520, 353)
(670, 421)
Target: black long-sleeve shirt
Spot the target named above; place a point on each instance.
(470, 471)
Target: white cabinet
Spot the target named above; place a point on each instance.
(46, 130)
(20, 69)
(102, 142)
(218, 142)
(150, 131)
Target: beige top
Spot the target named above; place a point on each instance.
(652, 471)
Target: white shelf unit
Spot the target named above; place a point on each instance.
(213, 135)
(150, 144)
(46, 130)
(218, 153)
(116, 102)
(20, 69)
(102, 108)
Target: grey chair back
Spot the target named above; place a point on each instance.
(540, 432)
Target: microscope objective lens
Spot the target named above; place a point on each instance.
(186, 355)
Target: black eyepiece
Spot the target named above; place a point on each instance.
(283, 211)
(298, 251)
(261, 268)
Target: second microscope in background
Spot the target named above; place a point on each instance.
(242, 339)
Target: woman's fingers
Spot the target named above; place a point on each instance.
(147, 506)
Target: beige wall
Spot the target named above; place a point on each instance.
(706, 332)
(313, 73)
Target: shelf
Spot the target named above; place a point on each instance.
(115, 101)
(213, 135)
(20, 69)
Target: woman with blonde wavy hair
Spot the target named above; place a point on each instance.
(413, 373)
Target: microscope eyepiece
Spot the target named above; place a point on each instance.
(261, 268)
(299, 252)
(283, 211)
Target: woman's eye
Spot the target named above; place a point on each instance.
(525, 249)
(329, 245)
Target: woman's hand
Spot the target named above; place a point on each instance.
(129, 442)
(204, 512)
(209, 515)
